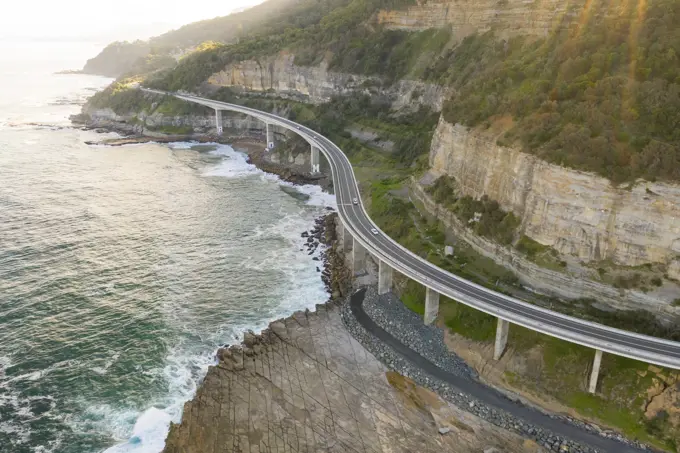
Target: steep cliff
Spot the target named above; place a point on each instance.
(280, 76)
(576, 213)
(581, 283)
(507, 17)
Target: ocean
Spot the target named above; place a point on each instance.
(123, 269)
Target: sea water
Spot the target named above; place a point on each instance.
(123, 269)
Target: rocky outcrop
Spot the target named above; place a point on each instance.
(663, 397)
(506, 17)
(577, 213)
(279, 75)
(306, 385)
(559, 284)
(156, 123)
(674, 269)
(291, 172)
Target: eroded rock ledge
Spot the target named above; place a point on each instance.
(305, 385)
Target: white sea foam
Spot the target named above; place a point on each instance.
(5, 362)
(184, 367)
(234, 164)
(317, 197)
(104, 369)
(148, 433)
(182, 145)
(17, 427)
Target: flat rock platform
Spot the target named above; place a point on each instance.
(305, 385)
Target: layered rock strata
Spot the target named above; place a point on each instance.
(544, 280)
(142, 123)
(506, 17)
(576, 213)
(279, 76)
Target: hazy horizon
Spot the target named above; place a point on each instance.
(76, 20)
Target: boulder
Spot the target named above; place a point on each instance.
(250, 339)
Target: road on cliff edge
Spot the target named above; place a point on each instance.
(355, 219)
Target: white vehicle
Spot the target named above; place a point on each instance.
(374, 231)
(298, 127)
(355, 201)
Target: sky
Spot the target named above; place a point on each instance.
(106, 20)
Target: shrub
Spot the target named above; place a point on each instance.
(530, 247)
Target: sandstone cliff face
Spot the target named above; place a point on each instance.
(317, 84)
(577, 213)
(506, 17)
(564, 285)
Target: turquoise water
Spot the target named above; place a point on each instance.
(123, 269)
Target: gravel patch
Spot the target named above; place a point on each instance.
(392, 315)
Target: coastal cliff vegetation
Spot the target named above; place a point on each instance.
(603, 96)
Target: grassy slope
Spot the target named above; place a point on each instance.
(563, 374)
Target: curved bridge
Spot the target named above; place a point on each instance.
(367, 236)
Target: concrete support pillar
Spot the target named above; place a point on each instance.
(345, 238)
(596, 371)
(270, 136)
(501, 338)
(358, 257)
(384, 278)
(315, 160)
(218, 122)
(431, 306)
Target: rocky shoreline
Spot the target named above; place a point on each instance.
(305, 384)
(252, 146)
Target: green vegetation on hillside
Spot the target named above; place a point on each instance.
(335, 26)
(117, 59)
(125, 100)
(144, 57)
(120, 98)
(603, 96)
(411, 133)
(484, 216)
